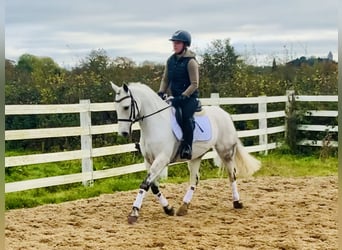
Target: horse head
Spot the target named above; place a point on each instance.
(126, 108)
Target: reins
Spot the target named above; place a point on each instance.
(134, 105)
(156, 112)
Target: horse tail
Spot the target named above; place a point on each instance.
(246, 164)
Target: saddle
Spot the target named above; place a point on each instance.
(202, 130)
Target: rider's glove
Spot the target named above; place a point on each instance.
(178, 100)
(162, 95)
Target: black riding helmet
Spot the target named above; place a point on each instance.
(183, 36)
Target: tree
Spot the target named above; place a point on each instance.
(10, 72)
(97, 61)
(218, 65)
(124, 62)
(274, 65)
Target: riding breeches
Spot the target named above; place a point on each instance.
(188, 108)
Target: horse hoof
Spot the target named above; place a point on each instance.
(169, 210)
(183, 210)
(133, 216)
(237, 204)
(132, 219)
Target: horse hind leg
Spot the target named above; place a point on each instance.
(228, 163)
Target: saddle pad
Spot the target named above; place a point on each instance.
(202, 130)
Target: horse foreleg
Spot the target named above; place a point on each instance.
(154, 171)
(183, 209)
(193, 166)
(162, 200)
(134, 214)
(158, 165)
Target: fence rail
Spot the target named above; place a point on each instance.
(86, 130)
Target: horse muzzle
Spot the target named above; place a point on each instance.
(125, 129)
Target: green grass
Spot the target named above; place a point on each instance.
(297, 166)
(58, 194)
(274, 164)
(21, 173)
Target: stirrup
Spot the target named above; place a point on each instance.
(186, 152)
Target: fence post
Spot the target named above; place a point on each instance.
(262, 110)
(290, 120)
(216, 98)
(86, 145)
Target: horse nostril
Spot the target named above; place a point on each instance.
(124, 134)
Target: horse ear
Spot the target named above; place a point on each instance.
(115, 87)
(125, 87)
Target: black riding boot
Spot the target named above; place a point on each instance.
(186, 151)
(186, 147)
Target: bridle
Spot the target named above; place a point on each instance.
(134, 106)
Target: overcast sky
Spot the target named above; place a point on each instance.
(68, 30)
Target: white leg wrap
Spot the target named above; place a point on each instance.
(162, 200)
(188, 196)
(139, 199)
(236, 195)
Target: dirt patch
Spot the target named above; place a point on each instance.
(279, 213)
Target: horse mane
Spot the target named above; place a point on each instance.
(145, 89)
(140, 85)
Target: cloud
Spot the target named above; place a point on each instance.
(65, 30)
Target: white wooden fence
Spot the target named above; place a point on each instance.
(318, 113)
(86, 130)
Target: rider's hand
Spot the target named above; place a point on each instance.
(178, 100)
(162, 95)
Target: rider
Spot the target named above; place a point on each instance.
(181, 77)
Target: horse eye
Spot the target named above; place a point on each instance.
(126, 108)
